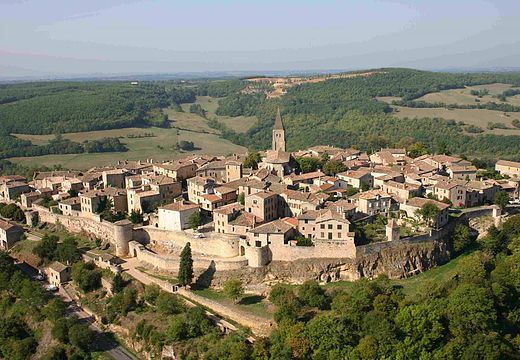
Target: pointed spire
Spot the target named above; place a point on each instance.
(278, 124)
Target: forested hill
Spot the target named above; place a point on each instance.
(345, 112)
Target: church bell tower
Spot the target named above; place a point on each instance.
(278, 133)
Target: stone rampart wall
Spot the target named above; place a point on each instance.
(171, 263)
(92, 225)
(169, 241)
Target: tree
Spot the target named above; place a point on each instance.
(186, 145)
(197, 109)
(333, 167)
(308, 164)
(234, 289)
(186, 266)
(429, 212)
(81, 336)
(195, 220)
(241, 198)
(252, 159)
(67, 251)
(461, 238)
(417, 149)
(151, 292)
(169, 304)
(136, 217)
(118, 284)
(501, 199)
(313, 295)
(86, 276)
(46, 248)
(54, 310)
(13, 212)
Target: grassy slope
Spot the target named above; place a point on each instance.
(138, 148)
(240, 123)
(413, 285)
(195, 128)
(256, 306)
(477, 117)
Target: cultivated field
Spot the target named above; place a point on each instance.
(159, 147)
(477, 117)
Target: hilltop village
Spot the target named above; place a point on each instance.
(256, 209)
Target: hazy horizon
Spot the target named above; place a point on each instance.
(62, 38)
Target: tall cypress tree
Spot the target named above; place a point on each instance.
(186, 266)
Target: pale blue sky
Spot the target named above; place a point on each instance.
(121, 36)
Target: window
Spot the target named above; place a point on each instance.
(258, 243)
(330, 226)
(256, 235)
(322, 235)
(339, 226)
(322, 226)
(339, 235)
(330, 236)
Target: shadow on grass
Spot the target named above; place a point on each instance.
(250, 300)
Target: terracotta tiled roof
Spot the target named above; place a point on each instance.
(509, 163)
(419, 202)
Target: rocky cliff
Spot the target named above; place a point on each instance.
(398, 260)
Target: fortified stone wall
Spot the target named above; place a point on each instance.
(117, 234)
(396, 259)
(170, 242)
(101, 229)
(171, 263)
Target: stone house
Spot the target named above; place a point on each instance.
(279, 231)
(324, 224)
(115, 178)
(356, 178)
(27, 199)
(57, 273)
(222, 171)
(293, 202)
(263, 205)
(72, 184)
(142, 200)
(233, 219)
(401, 191)
(452, 191)
(509, 168)
(69, 206)
(307, 178)
(175, 216)
(199, 186)
(118, 198)
(462, 172)
(10, 191)
(373, 202)
(90, 201)
(480, 192)
(9, 234)
(413, 205)
(178, 171)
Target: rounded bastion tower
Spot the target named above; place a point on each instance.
(123, 234)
